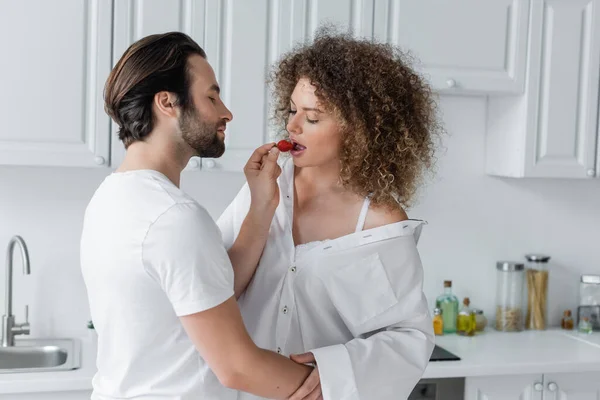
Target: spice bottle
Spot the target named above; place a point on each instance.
(438, 322)
(567, 321)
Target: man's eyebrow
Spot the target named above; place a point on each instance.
(216, 88)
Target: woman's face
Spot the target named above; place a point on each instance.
(315, 132)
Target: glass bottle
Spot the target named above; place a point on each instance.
(585, 326)
(438, 322)
(567, 321)
(466, 320)
(480, 320)
(448, 303)
(509, 296)
(537, 291)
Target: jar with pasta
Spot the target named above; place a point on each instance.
(537, 291)
(509, 296)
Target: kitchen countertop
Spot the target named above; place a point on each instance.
(488, 354)
(511, 353)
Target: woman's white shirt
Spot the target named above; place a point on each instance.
(355, 302)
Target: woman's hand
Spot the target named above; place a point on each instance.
(261, 173)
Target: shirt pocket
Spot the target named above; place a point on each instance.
(360, 291)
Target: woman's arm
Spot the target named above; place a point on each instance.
(393, 335)
(256, 204)
(247, 249)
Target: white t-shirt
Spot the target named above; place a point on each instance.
(150, 254)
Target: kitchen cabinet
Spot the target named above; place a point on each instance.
(467, 46)
(542, 86)
(71, 395)
(55, 59)
(558, 386)
(516, 387)
(552, 131)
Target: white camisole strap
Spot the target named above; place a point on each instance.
(363, 215)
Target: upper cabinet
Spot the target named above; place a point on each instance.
(538, 61)
(466, 46)
(55, 60)
(552, 131)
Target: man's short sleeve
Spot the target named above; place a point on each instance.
(184, 253)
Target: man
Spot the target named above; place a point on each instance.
(159, 280)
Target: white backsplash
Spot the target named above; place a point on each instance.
(474, 220)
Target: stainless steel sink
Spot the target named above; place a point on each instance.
(40, 355)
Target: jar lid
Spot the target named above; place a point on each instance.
(509, 266)
(595, 279)
(541, 258)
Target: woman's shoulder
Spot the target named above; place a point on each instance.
(380, 216)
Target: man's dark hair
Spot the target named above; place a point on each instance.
(153, 64)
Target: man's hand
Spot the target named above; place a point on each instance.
(311, 388)
(261, 173)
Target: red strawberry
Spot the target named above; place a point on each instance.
(284, 145)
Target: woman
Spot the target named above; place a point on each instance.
(340, 276)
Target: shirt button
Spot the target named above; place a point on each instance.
(293, 269)
(285, 310)
(279, 350)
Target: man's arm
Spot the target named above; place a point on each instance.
(222, 340)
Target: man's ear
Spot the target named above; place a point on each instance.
(165, 103)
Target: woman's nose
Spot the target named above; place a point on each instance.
(292, 126)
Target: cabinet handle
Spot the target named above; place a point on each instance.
(552, 387)
(538, 387)
(590, 172)
(99, 160)
(194, 163)
(210, 164)
(451, 83)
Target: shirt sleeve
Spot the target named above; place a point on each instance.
(183, 252)
(391, 349)
(230, 222)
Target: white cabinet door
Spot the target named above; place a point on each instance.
(552, 131)
(467, 46)
(565, 55)
(55, 60)
(135, 19)
(512, 387)
(574, 386)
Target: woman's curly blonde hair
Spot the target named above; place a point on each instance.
(387, 112)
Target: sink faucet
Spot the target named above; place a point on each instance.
(9, 328)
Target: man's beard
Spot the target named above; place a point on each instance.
(201, 136)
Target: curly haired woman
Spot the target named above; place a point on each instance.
(336, 274)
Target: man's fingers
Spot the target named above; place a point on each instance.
(303, 358)
(315, 394)
(307, 387)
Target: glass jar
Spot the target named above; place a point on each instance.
(537, 291)
(480, 320)
(509, 296)
(589, 290)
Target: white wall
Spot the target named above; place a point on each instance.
(474, 220)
